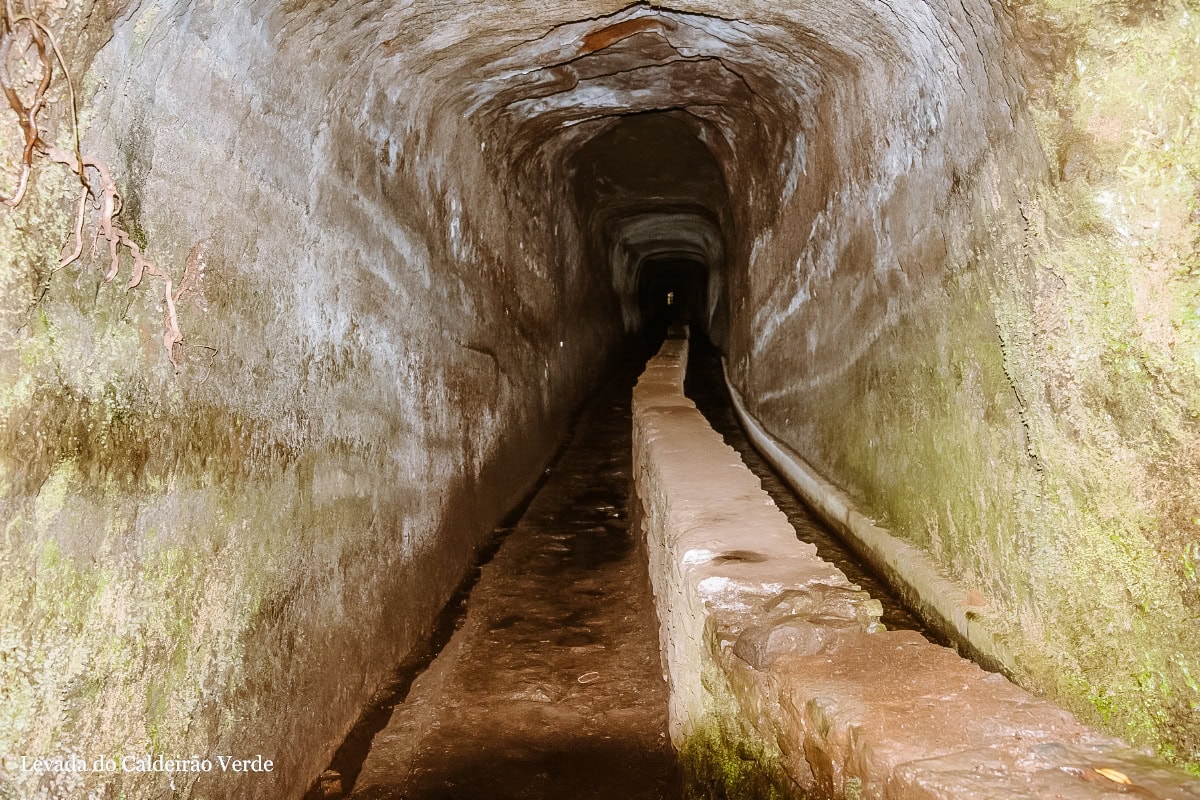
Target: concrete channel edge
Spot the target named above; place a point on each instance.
(783, 683)
(904, 567)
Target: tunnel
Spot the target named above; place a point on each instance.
(301, 299)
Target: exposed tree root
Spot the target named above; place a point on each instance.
(107, 200)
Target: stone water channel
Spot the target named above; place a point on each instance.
(544, 678)
(705, 386)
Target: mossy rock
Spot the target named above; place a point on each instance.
(718, 763)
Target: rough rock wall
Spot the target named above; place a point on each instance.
(376, 363)
(997, 354)
(774, 658)
(956, 252)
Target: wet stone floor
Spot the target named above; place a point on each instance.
(552, 686)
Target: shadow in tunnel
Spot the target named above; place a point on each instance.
(581, 769)
(653, 201)
(348, 759)
(672, 290)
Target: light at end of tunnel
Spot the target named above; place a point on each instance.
(670, 298)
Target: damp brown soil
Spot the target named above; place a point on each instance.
(549, 684)
(705, 386)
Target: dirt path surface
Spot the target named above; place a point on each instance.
(553, 686)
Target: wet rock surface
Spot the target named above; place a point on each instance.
(552, 687)
(782, 682)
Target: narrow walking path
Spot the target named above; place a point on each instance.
(553, 686)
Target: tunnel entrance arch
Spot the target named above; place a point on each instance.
(651, 194)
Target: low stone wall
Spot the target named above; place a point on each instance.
(907, 569)
(784, 683)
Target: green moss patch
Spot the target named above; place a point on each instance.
(720, 763)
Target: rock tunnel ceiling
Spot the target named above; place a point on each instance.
(948, 250)
(863, 92)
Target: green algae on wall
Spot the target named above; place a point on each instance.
(1032, 418)
(720, 763)
(1111, 360)
(1042, 494)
